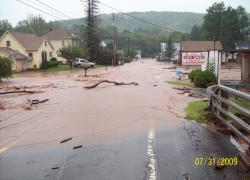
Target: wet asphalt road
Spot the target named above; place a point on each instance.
(112, 123)
(124, 159)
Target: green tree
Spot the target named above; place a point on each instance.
(196, 33)
(92, 42)
(71, 52)
(4, 26)
(170, 49)
(226, 24)
(36, 25)
(5, 67)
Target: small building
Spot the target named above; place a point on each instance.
(242, 45)
(60, 38)
(16, 57)
(163, 47)
(177, 47)
(244, 55)
(200, 54)
(34, 48)
(138, 54)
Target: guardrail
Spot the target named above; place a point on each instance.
(220, 104)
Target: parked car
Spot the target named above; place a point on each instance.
(78, 62)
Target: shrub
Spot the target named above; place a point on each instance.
(204, 79)
(53, 59)
(53, 63)
(5, 67)
(210, 77)
(44, 64)
(192, 74)
(200, 80)
(106, 56)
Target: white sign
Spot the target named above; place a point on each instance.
(194, 58)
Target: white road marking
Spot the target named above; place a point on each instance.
(151, 168)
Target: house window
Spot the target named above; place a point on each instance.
(45, 43)
(8, 43)
(63, 43)
(50, 54)
(30, 55)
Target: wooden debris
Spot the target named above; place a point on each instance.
(2, 106)
(113, 82)
(36, 101)
(18, 91)
(66, 140)
(54, 168)
(183, 88)
(28, 105)
(77, 147)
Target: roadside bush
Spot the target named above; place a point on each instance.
(106, 57)
(200, 80)
(204, 79)
(53, 63)
(210, 77)
(53, 59)
(5, 67)
(44, 64)
(193, 73)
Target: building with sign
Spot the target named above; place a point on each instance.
(200, 54)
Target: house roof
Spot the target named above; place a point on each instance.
(29, 41)
(200, 45)
(60, 34)
(11, 52)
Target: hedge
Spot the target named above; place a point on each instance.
(202, 79)
(5, 67)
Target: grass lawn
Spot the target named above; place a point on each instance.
(66, 67)
(196, 110)
(180, 83)
(242, 102)
(60, 67)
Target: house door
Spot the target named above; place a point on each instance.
(44, 55)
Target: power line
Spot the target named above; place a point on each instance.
(44, 11)
(139, 19)
(53, 9)
(52, 14)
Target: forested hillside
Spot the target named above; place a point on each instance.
(179, 21)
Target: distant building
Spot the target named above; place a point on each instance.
(163, 47)
(243, 45)
(20, 45)
(60, 38)
(200, 54)
(138, 54)
(177, 47)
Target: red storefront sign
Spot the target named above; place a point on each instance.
(194, 58)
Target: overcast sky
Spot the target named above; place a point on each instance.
(14, 11)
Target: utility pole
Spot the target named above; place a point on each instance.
(114, 43)
(128, 46)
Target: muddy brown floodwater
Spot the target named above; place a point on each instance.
(104, 113)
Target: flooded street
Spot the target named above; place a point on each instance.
(106, 111)
(104, 131)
